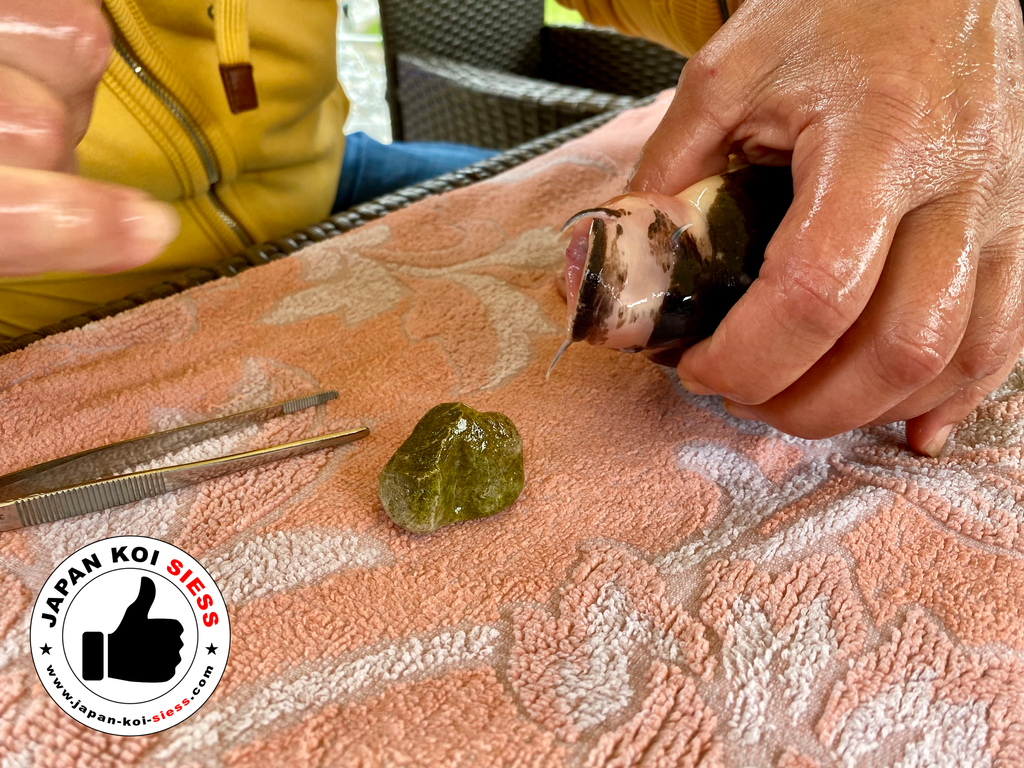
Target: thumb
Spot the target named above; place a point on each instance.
(693, 140)
(138, 611)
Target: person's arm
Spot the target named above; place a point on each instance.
(52, 56)
(682, 25)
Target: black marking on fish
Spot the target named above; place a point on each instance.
(677, 320)
(742, 217)
(659, 233)
(660, 225)
(668, 357)
(745, 213)
(594, 302)
(616, 273)
(616, 280)
(618, 230)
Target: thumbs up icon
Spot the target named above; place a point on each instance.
(140, 650)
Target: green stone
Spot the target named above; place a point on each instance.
(458, 464)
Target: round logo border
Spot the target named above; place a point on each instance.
(38, 664)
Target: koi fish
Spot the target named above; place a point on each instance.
(652, 272)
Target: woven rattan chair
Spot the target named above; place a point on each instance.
(489, 73)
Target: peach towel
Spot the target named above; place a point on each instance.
(674, 587)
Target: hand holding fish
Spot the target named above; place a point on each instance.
(52, 56)
(892, 288)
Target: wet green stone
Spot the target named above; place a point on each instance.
(458, 464)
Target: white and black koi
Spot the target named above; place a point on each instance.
(646, 271)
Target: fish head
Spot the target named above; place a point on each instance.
(618, 266)
(646, 271)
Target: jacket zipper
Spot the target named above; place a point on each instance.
(192, 130)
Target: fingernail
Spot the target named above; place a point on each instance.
(695, 388)
(152, 222)
(739, 411)
(934, 446)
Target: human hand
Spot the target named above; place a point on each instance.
(52, 56)
(893, 288)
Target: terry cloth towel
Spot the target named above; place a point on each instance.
(674, 586)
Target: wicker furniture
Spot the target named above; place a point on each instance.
(336, 225)
(490, 73)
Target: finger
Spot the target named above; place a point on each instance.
(993, 336)
(820, 269)
(139, 610)
(905, 338)
(33, 124)
(711, 116)
(761, 155)
(927, 434)
(64, 44)
(58, 222)
(691, 141)
(987, 354)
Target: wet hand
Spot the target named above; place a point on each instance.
(892, 289)
(52, 56)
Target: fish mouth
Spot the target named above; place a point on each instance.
(577, 255)
(619, 267)
(580, 227)
(576, 262)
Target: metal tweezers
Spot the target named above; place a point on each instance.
(94, 480)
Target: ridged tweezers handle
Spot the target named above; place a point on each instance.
(114, 491)
(104, 494)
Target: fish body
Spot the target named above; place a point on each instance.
(647, 271)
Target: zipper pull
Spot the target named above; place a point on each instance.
(239, 86)
(231, 30)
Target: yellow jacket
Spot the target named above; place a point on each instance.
(162, 123)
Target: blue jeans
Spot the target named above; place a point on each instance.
(371, 169)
